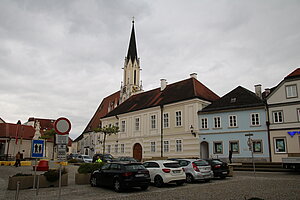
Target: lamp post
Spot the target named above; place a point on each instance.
(192, 131)
(250, 145)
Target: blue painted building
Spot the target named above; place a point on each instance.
(225, 123)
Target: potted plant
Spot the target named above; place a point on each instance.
(84, 172)
(26, 181)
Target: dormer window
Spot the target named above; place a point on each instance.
(233, 100)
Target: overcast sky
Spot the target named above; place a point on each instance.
(61, 58)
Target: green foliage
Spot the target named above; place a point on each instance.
(49, 134)
(52, 175)
(108, 130)
(89, 167)
(21, 174)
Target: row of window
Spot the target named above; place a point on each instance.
(153, 121)
(278, 116)
(235, 147)
(232, 121)
(166, 147)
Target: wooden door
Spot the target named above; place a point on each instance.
(137, 152)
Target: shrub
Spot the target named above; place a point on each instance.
(52, 175)
(89, 167)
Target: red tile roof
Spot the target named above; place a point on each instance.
(46, 124)
(295, 73)
(8, 130)
(179, 91)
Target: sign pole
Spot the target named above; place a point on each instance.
(59, 193)
(34, 177)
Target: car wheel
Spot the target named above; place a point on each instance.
(207, 180)
(117, 185)
(158, 181)
(144, 187)
(93, 181)
(189, 178)
(179, 183)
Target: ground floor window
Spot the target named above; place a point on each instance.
(108, 148)
(218, 147)
(280, 145)
(166, 146)
(234, 146)
(152, 144)
(122, 148)
(257, 146)
(116, 148)
(178, 145)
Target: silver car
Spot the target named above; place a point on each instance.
(196, 169)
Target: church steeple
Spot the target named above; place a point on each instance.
(131, 77)
(132, 50)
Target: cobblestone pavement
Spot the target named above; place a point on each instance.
(243, 185)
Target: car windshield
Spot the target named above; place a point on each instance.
(172, 165)
(108, 156)
(200, 163)
(217, 162)
(134, 167)
(86, 157)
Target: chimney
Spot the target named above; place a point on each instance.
(163, 84)
(258, 90)
(267, 91)
(193, 75)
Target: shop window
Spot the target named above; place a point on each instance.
(257, 146)
(280, 145)
(218, 148)
(234, 146)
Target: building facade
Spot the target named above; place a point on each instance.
(225, 124)
(284, 117)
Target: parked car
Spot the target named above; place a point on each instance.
(196, 169)
(84, 158)
(126, 158)
(121, 175)
(104, 158)
(72, 156)
(165, 171)
(220, 168)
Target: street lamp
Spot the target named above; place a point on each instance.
(250, 145)
(192, 131)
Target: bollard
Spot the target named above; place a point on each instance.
(37, 185)
(18, 190)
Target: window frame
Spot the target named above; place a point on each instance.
(261, 146)
(234, 121)
(116, 148)
(251, 119)
(137, 123)
(219, 122)
(238, 146)
(122, 148)
(166, 120)
(273, 114)
(178, 146)
(123, 126)
(298, 114)
(286, 91)
(178, 119)
(214, 147)
(275, 145)
(152, 146)
(153, 124)
(204, 125)
(166, 144)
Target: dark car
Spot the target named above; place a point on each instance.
(104, 158)
(126, 158)
(121, 175)
(219, 167)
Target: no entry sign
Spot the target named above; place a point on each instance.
(62, 126)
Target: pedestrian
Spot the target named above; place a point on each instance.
(98, 160)
(230, 156)
(18, 159)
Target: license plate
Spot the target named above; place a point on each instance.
(139, 175)
(224, 172)
(176, 171)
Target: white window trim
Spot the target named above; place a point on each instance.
(273, 114)
(168, 146)
(180, 145)
(215, 123)
(286, 91)
(284, 145)
(135, 127)
(236, 123)
(151, 146)
(258, 119)
(181, 121)
(168, 120)
(151, 121)
(204, 118)
(298, 114)
(122, 148)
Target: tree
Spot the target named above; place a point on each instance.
(107, 130)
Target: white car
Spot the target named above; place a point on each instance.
(85, 158)
(165, 171)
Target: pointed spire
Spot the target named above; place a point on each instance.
(132, 50)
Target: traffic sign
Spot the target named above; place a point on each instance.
(61, 152)
(62, 126)
(37, 148)
(62, 139)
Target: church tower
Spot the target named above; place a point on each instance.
(131, 83)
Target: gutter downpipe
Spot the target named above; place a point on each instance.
(268, 129)
(161, 130)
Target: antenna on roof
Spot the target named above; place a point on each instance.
(133, 19)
